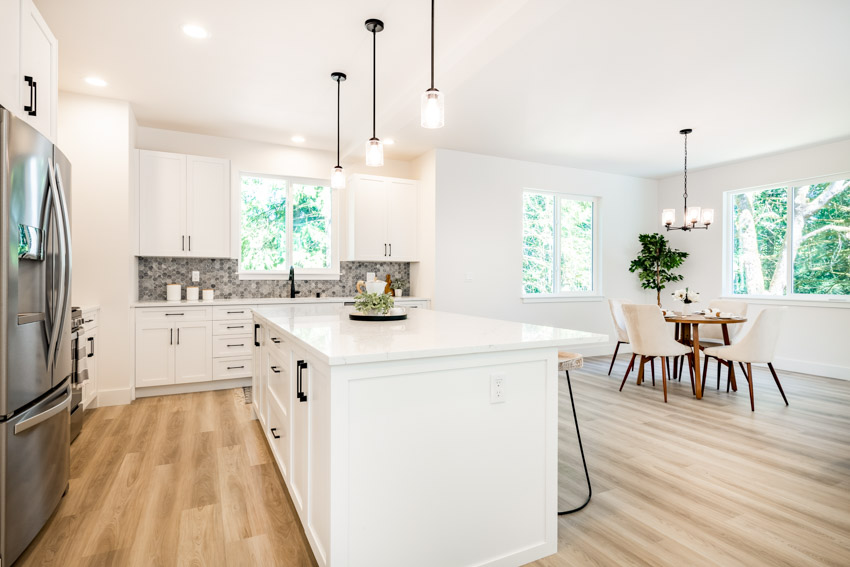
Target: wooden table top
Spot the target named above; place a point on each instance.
(702, 319)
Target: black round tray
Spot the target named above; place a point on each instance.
(361, 317)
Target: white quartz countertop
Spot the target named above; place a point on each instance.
(328, 333)
(258, 301)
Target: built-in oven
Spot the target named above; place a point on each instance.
(79, 372)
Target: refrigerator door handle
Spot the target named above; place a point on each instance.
(66, 263)
(54, 409)
(56, 318)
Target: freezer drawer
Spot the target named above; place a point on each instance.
(35, 466)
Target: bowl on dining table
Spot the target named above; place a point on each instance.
(725, 315)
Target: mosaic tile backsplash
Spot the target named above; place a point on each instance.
(222, 276)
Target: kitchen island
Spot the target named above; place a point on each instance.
(427, 441)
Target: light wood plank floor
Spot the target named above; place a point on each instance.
(188, 480)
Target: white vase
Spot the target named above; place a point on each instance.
(399, 292)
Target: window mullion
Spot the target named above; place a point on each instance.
(789, 248)
(556, 246)
(289, 219)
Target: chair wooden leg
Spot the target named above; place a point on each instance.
(691, 370)
(681, 366)
(652, 366)
(613, 358)
(704, 371)
(730, 375)
(664, 376)
(776, 379)
(628, 369)
(750, 381)
(641, 364)
(718, 373)
(746, 374)
(667, 362)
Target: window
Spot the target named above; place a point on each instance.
(559, 245)
(287, 222)
(791, 241)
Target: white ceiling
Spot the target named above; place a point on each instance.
(602, 85)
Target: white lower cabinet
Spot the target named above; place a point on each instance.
(193, 352)
(154, 353)
(90, 317)
(173, 347)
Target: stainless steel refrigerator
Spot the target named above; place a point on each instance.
(35, 332)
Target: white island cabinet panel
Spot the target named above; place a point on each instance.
(396, 444)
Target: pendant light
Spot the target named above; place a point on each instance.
(433, 113)
(374, 147)
(338, 176)
(693, 215)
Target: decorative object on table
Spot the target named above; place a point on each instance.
(693, 215)
(388, 288)
(375, 307)
(687, 297)
(368, 287)
(192, 293)
(208, 294)
(432, 112)
(374, 147)
(655, 263)
(398, 286)
(173, 292)
(338, 175)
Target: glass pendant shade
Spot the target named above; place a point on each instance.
(433, 109)
(668, 217)
(338, 178)
(707, 216)
(692, 215)
(374, 152)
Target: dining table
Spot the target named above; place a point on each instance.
(688, 327)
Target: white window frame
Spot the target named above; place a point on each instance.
(331, 273)
(790, 296)
(594, 294)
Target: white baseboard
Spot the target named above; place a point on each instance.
(816, 368)
(120, 397)
(191, 388)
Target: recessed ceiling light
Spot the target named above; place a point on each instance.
(96, 81)
(389, 141)
(195, 31)
(298, 139)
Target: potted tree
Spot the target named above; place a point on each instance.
(655, 263)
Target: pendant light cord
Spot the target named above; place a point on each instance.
(338, 91)
(432, 44)
(686, 177)
(374, 81)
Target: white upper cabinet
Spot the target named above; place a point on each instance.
(208, 207)
(38, 71)
(10, 54)
(382, 219)
(184, 205)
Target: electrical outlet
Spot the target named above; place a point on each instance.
(497, 388)
(469, 276)
(196, 276)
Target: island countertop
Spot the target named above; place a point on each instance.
(327, 332)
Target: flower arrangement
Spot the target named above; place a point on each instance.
(373, 303)
(686, 296)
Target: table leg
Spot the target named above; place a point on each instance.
(678, 337)
(698, 380)
(640, 370)
(726, 341)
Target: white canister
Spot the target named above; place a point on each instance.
(173, 292)
(192, 293)
(209, 294)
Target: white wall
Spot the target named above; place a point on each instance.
(479, 231)
(422, 275)
(814, 338)
(95, 134)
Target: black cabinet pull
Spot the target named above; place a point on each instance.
(183, 243)
(240, 344)
(385, 249)
(302, 396)
(174, 314)
(391, 249)
(32, 107)
(275, 370)
(91, 354)
(256, 328)
(178, 335)
(235, 367)
(171, 339)
(231, 312)
(276, 340)
(236, 326)
(87, 320)
(190, 243)
(275, 435)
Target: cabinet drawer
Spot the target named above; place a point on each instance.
(235, 345)
(229, 327)
(174, 315)
(225, 312)
(232, 367)
(277, 432)
(279, 382)
(274, 340)
(90, 319)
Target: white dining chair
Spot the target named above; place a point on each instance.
(650, 338)
(758, 345)
(712, 335)
(616, 307)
